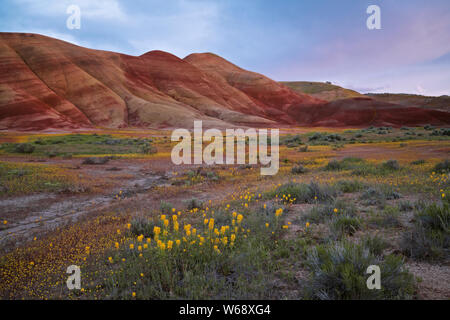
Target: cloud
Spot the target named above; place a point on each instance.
(420, 90)
(190, 26)
(408, 36)
(99, 9)
(367, 89)
(285, 40)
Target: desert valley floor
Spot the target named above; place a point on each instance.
(112, 202)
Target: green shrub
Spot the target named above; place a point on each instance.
(345, 225)
(298, 169)
(53, 154)
(24, 148)
(349, 186)
(142, 226)
(405, 206)
(291, 141)
(194, 204)
(344, 164)
(212, 176)
(338, 272)
(333, 165)
(388, 218)
(305, 193)
(430, 235)
(375, 244)
(441, 132)
(165, 207)
(96, 160)
(391, 165)
(378, 195)
(318, 138)
(418, 162)
(442, 167)
(365, 169)
(323, 213)
(149, 149)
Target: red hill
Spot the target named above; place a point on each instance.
(47, 83)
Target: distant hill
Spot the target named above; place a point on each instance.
(414, 100)
(46, 84)
(330, 92)
(321, 90)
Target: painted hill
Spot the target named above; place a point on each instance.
(321, 90)
(363, 111)
(46, 83)
(414, 100)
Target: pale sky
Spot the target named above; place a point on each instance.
(320, 40)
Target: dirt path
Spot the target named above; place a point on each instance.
(435, 280)
(35, 214)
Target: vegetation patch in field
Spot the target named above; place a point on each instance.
(378, 195)
(429, 238)
(338, 272)
(387, 218)
(327, 212)
(24, 178)
(202, 261)
(343, 225)
(80, 144)
(304, 193)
